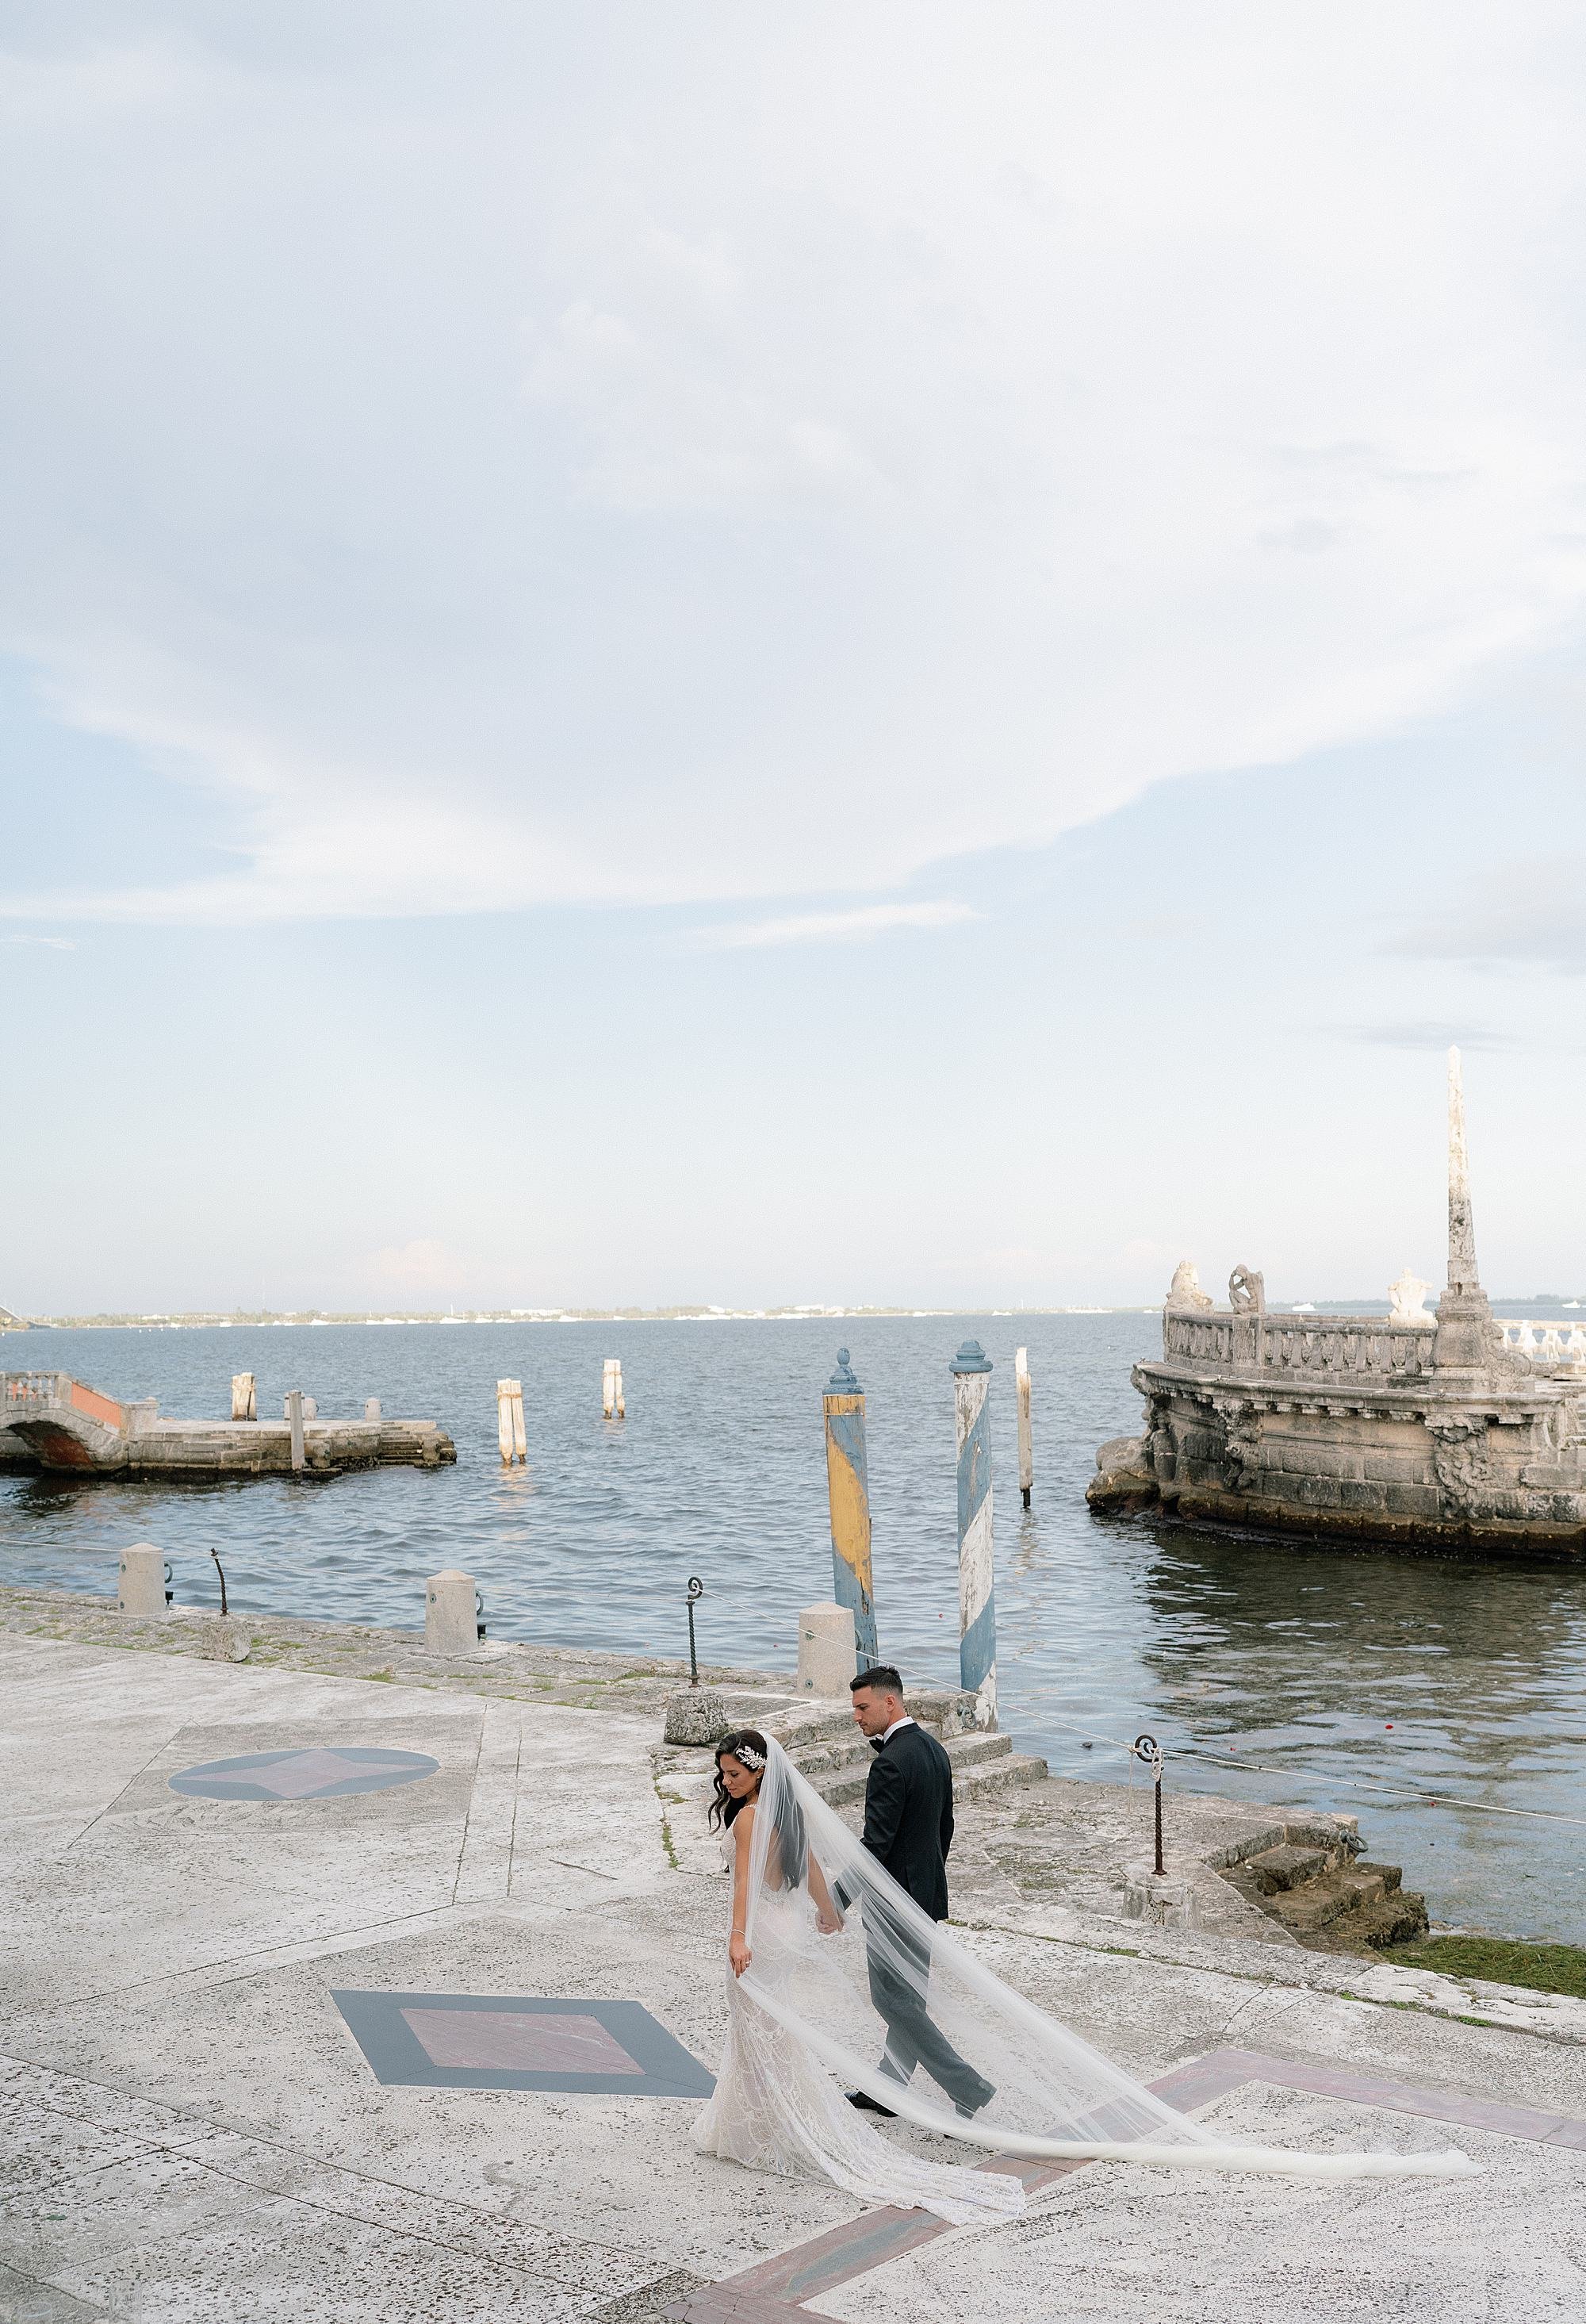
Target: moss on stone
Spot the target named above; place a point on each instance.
(1500, 1960)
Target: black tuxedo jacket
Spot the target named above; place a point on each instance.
(908, 1815)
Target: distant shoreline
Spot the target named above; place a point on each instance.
(310, 1318)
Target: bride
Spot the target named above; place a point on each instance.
(817, 1929)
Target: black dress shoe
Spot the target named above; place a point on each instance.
(969, 2112)
(871, 2105)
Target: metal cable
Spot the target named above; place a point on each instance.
(1348, 1783)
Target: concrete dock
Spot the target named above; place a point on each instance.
(212, 2112)
(51, 1421)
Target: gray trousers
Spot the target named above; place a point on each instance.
(913, 2036)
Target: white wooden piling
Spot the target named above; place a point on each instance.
(140, 1580)
(1027, 1473)
(294, 1413)
(511, 1434)
(612, 1404)
(245, 1404)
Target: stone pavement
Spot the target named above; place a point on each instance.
(190, 2130)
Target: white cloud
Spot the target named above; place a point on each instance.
(50, 944)
(858, 925)
(707, 456)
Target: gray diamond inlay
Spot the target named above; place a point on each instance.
(333, 1773)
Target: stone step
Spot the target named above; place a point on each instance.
(1390, 1874)
(1396, 1919)
(1287, 1867)
(982, 1764)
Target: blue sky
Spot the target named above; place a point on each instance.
(651, 658)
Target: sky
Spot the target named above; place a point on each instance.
(858, 654)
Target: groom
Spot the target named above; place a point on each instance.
(908, 1830)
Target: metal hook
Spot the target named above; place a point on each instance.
(696, 1591)
(1147, 1750)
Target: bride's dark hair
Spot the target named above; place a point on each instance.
(724, 1807)
(791, 1842)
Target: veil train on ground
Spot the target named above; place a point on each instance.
(1055, 2098)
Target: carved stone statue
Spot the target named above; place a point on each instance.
(1247, 1292)
(1185, 1290)
(1408, 1296)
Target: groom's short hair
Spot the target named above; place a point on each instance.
(884, 1678)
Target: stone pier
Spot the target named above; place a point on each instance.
(1451, 1432)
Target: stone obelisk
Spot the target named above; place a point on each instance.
(1467, 1338)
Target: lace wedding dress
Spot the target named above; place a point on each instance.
(777, 2108)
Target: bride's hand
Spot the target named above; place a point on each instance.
(738, 1953)
(829, 1921)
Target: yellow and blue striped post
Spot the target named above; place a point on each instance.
(848, 1491)
(977, 1595)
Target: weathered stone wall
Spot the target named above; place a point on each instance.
(1351, 1431)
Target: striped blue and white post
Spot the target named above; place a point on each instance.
(977, 1597)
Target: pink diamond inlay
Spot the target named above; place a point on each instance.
(306, 1772)
(519, 2041)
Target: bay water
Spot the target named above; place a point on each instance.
(1297, 1674)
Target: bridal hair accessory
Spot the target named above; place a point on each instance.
(747, 1753)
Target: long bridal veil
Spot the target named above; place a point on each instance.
(1053, 2096)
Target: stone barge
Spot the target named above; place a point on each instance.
(1449, 1431)
(50, 1421)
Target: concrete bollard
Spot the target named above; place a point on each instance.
(612, 1404)
(451, 1624)
(244, 1401)
(848, 1499)
(977, 1599)
(294, 1414)
(1027, 1469)
(511, 1434)
(310, 1408)
(827, 1656)
(371, 1407)
(140, 1580)
(696, 1715)
(1162, 1900)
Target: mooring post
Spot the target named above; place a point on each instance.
(1026, 1468)
(612, 1404)
(509, 1421)
(244, 1396)
(848, 1495)
(826, 1660)
(294, 1413)
(371, 1407)
(1148, 1752)
(140, 1580)
(977, 1599)
(696, 1591)
(451, 1613)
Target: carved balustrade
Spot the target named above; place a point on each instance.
(1286, 1347)
(34, 1388)
(1546, 1345)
